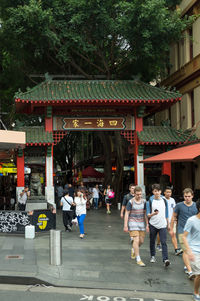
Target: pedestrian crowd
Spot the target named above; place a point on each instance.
(74, 203)
(159, 215)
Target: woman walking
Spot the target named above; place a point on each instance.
(109, 195)
(80, 202)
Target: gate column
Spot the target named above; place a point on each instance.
(138, 149)
(20, 172)
(49, 188)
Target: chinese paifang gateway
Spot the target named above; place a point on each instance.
(95, 105)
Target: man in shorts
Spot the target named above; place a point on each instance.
(135, 222)
(191, 239)
(182, 212)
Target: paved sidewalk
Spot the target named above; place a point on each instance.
(100, 260)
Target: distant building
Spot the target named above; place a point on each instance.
(184, 74)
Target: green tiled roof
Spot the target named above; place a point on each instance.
(37, 134)
(164, 134)
(96, 90)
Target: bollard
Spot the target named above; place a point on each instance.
(119, 206)
(55, 247)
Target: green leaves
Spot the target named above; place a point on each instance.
(113, 38)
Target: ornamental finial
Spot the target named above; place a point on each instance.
(48, 76)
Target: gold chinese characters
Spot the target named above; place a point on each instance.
(75, 123)
(113, 122)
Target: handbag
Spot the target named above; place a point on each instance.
(111, 194)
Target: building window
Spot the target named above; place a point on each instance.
(191, 43)
(192, 107)
(178, 56)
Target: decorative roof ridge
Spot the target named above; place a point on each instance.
(28, 89)
(30, 127)
(164, 134)
(130, 91)
(186, 132)
(161, 88)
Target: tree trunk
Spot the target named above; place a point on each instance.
(106, 140)
(118, 180)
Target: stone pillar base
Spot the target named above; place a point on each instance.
(49, 195)
(18, 191)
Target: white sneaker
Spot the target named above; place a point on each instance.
(191, 276)
(153, 259)
(185, 270)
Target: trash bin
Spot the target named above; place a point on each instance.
(55, 247)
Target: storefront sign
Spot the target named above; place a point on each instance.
(43, 220)
(6, 168)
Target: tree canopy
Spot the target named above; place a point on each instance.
(113, 38)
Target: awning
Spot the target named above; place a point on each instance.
(184, 153)
(12, 139)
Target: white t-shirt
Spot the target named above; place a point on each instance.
(193, 227)
(158, 221)
(80, 205)
(66, 206)
(95, 193)
(171, 205)
(22, 199)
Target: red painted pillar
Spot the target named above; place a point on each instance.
(20, 169)
(138, 128)
(49, 120)
(139, 124)
(167, 169)
(135, 159)
(48, 124)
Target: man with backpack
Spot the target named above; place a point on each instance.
(157, 213)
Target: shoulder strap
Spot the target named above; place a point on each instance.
(67, 201)
(164, 201)
(150, 204)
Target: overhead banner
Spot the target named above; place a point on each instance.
(93, 123)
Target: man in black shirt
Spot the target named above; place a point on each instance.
(127, 198)
(71, 190)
